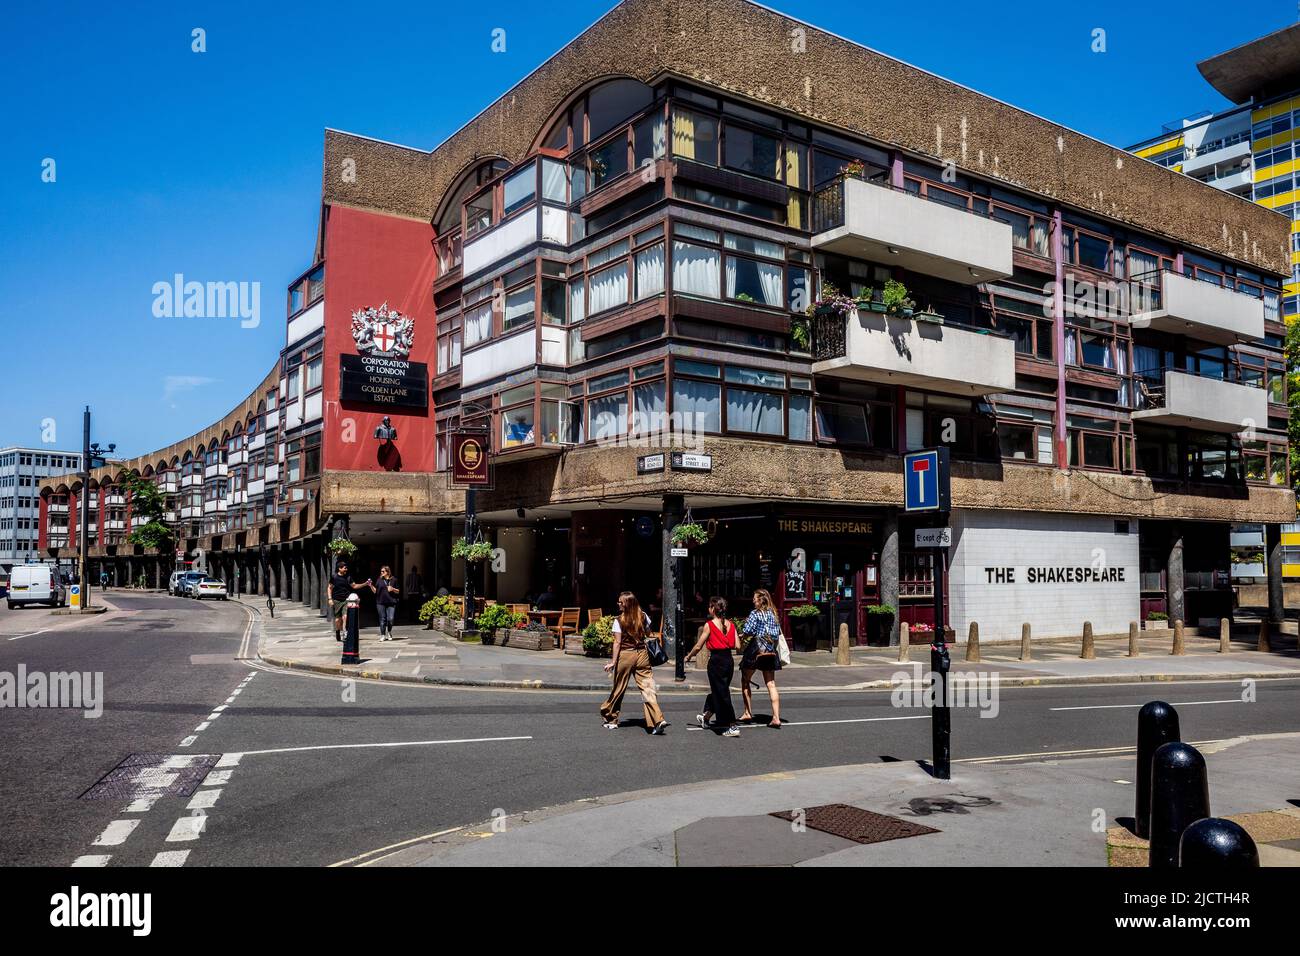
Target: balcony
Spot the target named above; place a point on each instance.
(217, 470)
(1194, 401)
(238, 457)
(56, 509)
(115, 499)
(192, 480)
(864, 220)
(114, 524)
(1196, 308)
(895, 350)
(169, 485)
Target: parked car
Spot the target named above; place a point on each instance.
(35, 584)
(174, 582)
(209, 588)
(187, 582)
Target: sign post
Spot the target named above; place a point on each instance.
(927, 488)
(470, 470)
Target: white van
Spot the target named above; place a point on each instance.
(35, 584)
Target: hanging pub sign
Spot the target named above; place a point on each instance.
(469, 458)
(381, 373)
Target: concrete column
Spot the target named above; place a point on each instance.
(674, 506)
(1174, 576)
(441, 571)
(295, 571)
(889, 568)
(1273, 554)
(322, 585)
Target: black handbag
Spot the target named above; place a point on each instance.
(654, 649)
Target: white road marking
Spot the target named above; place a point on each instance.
(216, 777)
(170, 858)
(213, 716)
(202, 727)
(115, 833)
(220, 708)
(228, 760)
(204, 799)
(814, 723)
(142, 804)
(1181, 703)
(396, 743)
(395, 846)
(32, 634)
(188, 740)
(187, 828)
(96, 860)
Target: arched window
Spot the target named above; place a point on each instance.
(596, 112)
(448, 217)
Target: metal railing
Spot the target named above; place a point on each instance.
(828, 202)
(1149, 384)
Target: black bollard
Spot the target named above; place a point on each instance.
(1157, 725)
(1180, 795)
(352, 633)
(1217, 844)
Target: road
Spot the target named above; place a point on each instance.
(314, 770)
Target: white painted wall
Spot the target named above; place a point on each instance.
(502, 356)
(1024, 540)
(508, 238)
(304, 324)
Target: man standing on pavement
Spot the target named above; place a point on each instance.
(414, 593)
(341, 585)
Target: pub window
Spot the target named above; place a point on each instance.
(1092, 442)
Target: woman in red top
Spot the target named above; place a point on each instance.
(720, 636)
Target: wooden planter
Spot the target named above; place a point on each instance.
(1157, 625)
(526, 640)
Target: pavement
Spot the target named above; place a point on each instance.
(991, 813)
(299, 638)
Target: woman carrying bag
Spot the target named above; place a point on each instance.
(632, 658)
(721, 637)
(762, 653)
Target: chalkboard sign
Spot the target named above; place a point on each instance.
(795, 587)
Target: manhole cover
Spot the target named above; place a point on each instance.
(177, 775)
(856, 824)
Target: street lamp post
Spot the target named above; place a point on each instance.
(92, 456)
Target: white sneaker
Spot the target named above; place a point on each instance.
(699, 719)
(732, 731)
(660, 727)
(611, 725)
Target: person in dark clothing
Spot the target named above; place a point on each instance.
(341, 585)
(548, 600)
(719, 634)
(386, 594)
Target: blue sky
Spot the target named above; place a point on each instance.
(208, 164)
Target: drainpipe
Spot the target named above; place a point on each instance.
(1058, 336)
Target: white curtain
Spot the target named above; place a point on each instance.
(608, 416)
(608, 288)
(757, 412)
(697, 405)
(648, 410)
(478, 324)
(801, 417)
(696, 270)
(650, 271)
(577, 301)
(769, 276)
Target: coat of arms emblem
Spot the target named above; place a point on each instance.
(383, 331)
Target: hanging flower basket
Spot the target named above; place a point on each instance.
(690, 534)
(341, 548)
(473, 553)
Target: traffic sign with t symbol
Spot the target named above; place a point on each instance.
(925, 480)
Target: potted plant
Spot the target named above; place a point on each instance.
(598, 638)
(744, 297)
(800, 333)
(1157, 621)
(896, 299)
(494, 617)
(877, 301)
(689, 534)
(341, 548)
(471, 553)
(854, 168)
(805, 622)
(435, 611)
(880, 624)
(929, 315)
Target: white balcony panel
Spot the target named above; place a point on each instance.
(304, 324)
(1203, 310)
(499, 358)
(256, 487)
(293, 415)
(215, 471)
(192, 481)
(1225, 154)
(257, 441)
(209, 507)
(940, 358)
(1207, 404)
(272, 473)
(312, 407)
(555, 345)
(237, 457)
(896, 227)
(502, 241)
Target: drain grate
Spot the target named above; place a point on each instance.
(177, 775)
(856, 824)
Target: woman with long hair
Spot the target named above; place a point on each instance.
(761, 655)
(719, 634)
(631, 659)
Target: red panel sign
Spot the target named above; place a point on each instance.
(469, 458)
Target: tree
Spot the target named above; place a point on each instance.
(1293, 398)
(147, 504)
